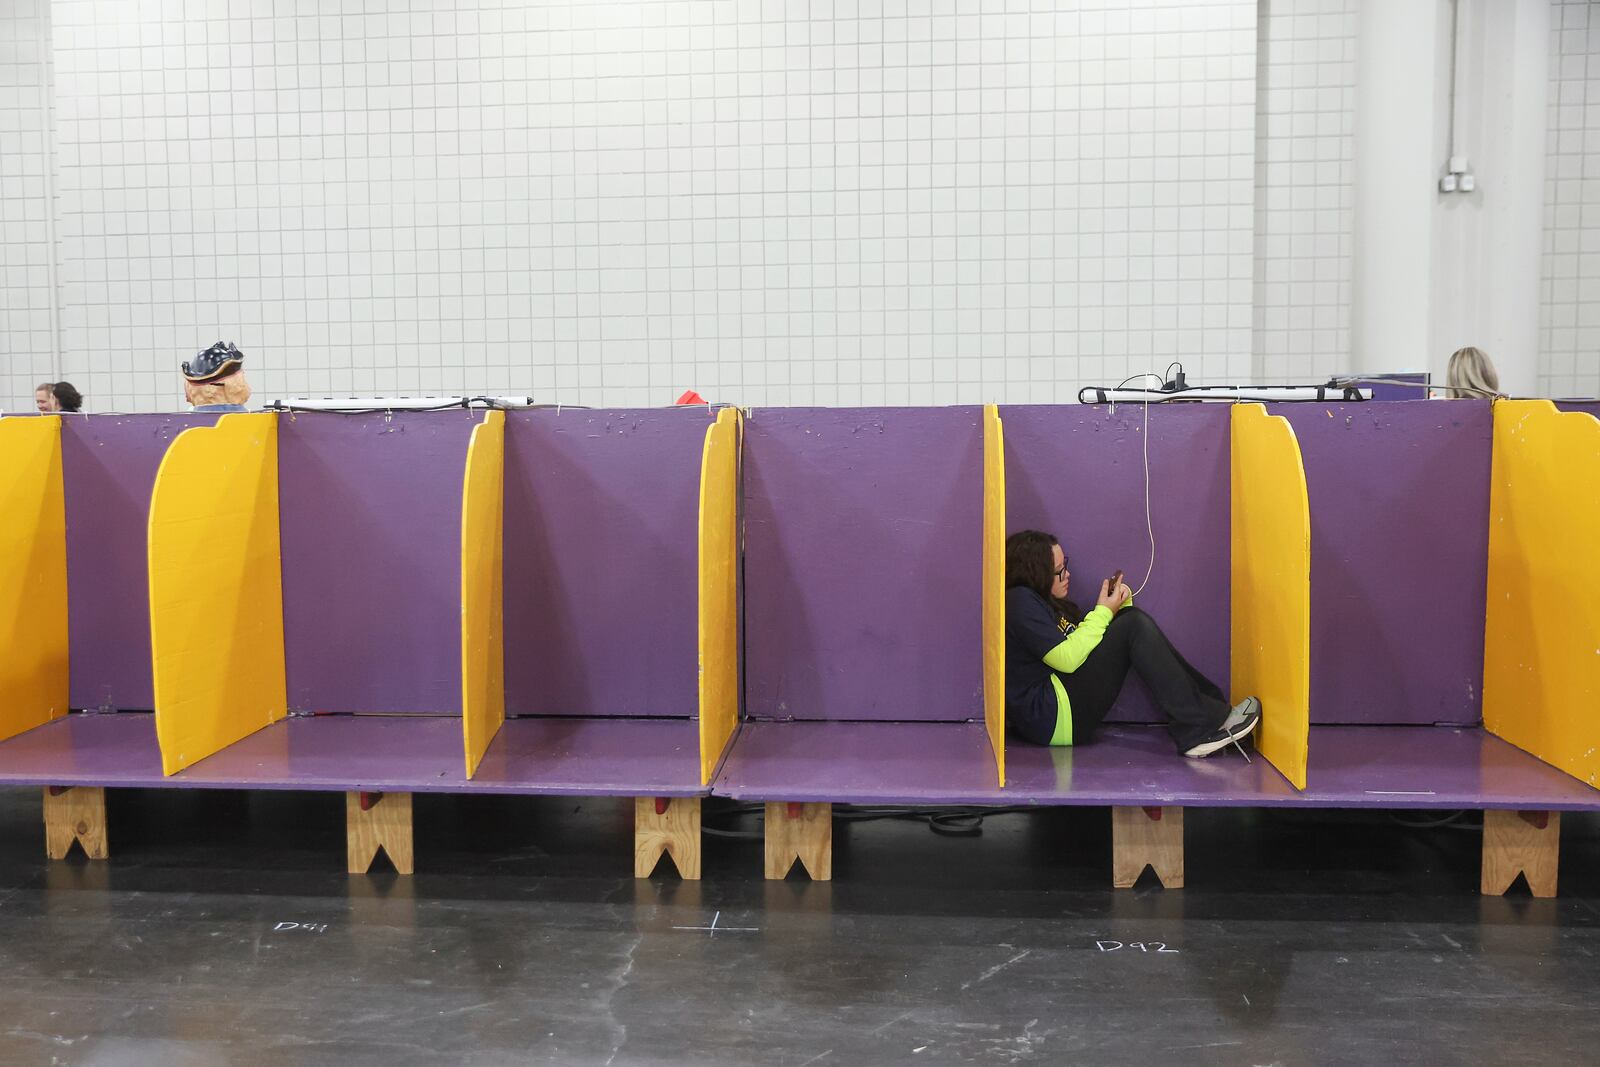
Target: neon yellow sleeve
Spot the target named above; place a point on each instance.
(1069, 655)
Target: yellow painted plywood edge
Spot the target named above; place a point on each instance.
(718, 624)
(216, 592)
(1271, 584)
(483, 685)
(994, 587)
(34, 657)
(1541, 682)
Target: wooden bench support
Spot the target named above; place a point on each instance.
(75, 813)
(666, 826)
(1146, 837)
(378, 820)
(1521, 842)
(801, 832)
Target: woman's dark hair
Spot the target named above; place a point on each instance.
(1031, 564)
(68, 397)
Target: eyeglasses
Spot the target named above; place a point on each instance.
(1061, 571)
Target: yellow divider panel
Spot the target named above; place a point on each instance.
(33, 575)
(994, 586)
(216, 589)
(1272, 585)
(719, 590)
(1541, 650)
(483, 646)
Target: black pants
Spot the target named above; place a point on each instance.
(1194, 705)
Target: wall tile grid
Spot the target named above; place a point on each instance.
(1569, 320)
(25, 347)
(609, 202)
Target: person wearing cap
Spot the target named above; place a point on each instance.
(214, 380)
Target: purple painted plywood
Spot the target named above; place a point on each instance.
(1404, 385)
(602, 561)
(1399, 553)
(863, 542)
(371, 529)
(1350, 767)
(109, 465)
(655, 757)
(1433, 767)
(115, 750)
(1077, 471)
(383, 753)
(341, 753)
(1134, 764)
(860, 762)
(1588, 407)
(332, 752)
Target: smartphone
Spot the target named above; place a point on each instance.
(1116, 580)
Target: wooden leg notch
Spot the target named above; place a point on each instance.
(667, 826)
(376, 821)
(76, 814)
(801, 832)
(1146, 837)
(1521, 842)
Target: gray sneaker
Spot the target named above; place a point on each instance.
(1247, 709)
(1224, 737)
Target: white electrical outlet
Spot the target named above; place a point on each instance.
(1447, 184)
(1467, 183)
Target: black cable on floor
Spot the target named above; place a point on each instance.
(947, 822)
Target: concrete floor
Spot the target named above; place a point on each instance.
(224, 931)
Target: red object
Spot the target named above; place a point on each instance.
(794, 810)
(369, 800)
(1154, 814)
(661, 805)
(691, 397)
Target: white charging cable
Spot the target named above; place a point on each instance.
(1149, 524)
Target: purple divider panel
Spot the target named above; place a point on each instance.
(109, 465)
(1588, 407)
(602, 561)
(370, 517)
(1399, 558)
(863, 545)
(1077, 471)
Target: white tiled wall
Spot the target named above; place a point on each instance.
(609, 202)
(25, 348)
(1305, 190)
(1569, 356)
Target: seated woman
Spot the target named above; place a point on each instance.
(1064, 669)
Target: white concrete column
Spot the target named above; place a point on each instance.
(1395, 182)
(1488, 243)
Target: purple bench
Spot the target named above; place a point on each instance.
(863, 675)
(861, 691)
(601, 521)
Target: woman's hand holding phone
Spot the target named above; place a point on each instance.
(1113, 593)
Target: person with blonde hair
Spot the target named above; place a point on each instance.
(1471, 374)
